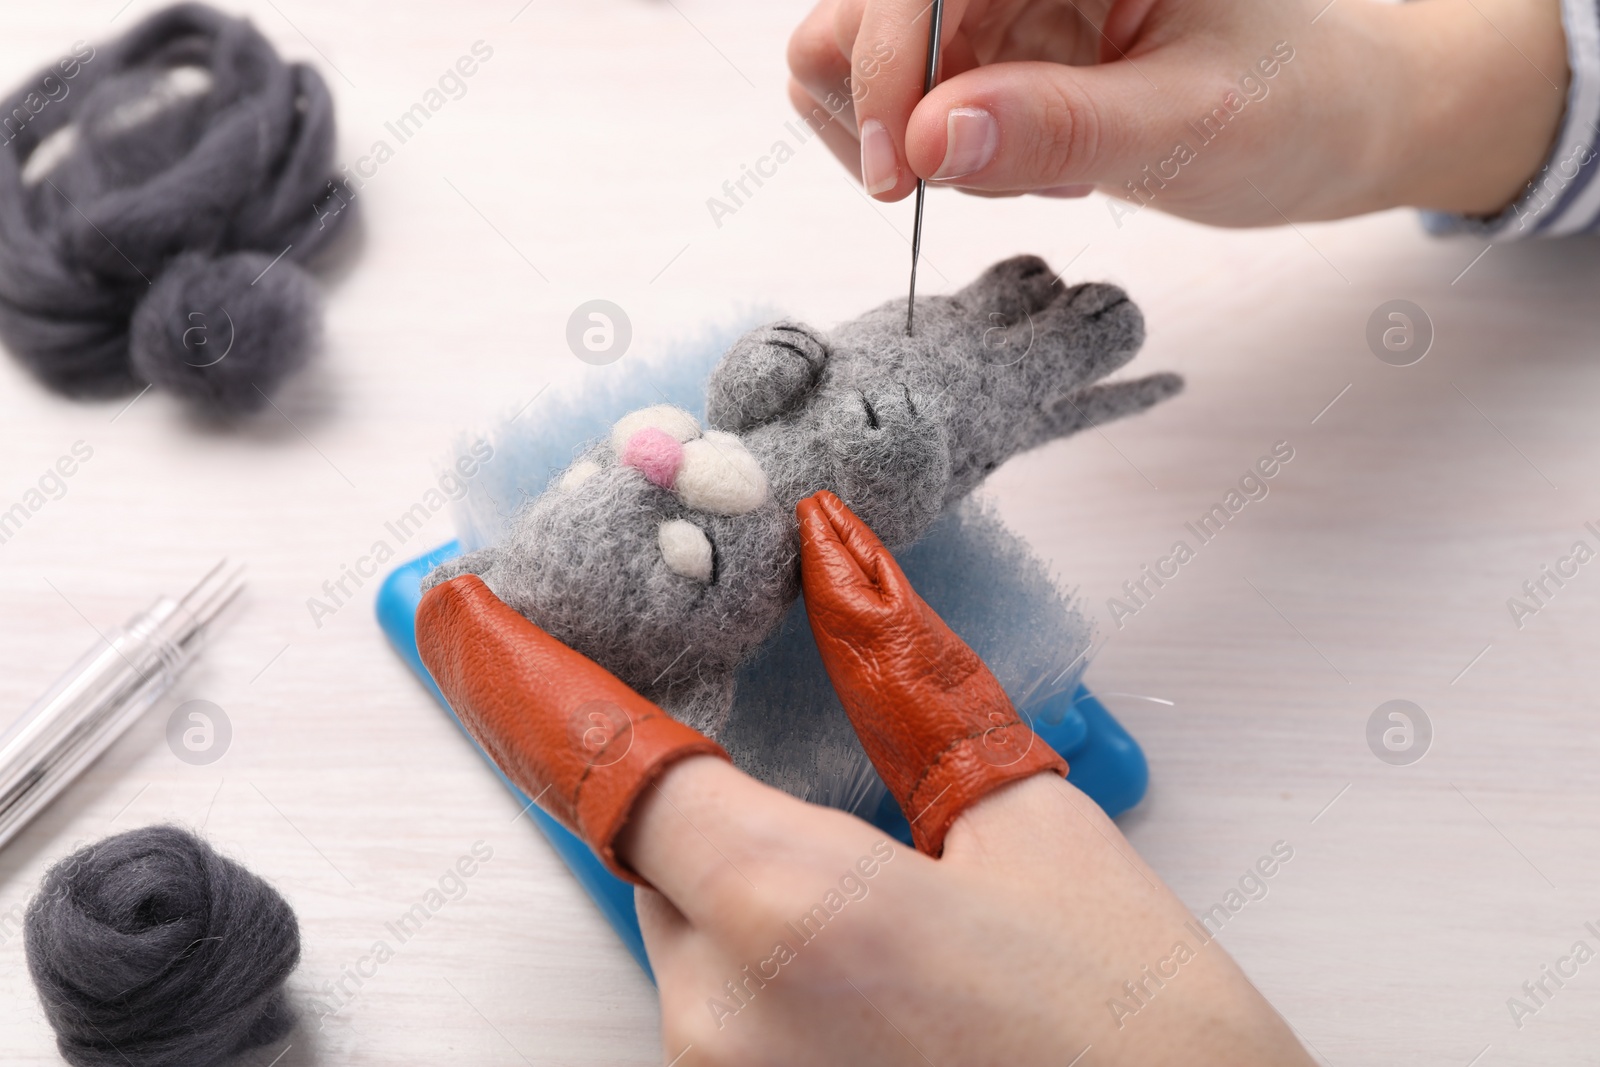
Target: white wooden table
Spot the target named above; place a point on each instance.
(577, 165)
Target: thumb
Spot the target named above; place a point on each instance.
(1021, 127)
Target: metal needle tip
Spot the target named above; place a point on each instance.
(212, 594)
(929, 78)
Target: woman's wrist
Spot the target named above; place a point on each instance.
(1482, 86)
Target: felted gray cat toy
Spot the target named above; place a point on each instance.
(668, 552)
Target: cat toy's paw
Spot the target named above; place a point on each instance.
(703, 701)
(1093, 328)
(1096, 404)
(1011, 289)
(1068, 335)
(891, 460)
(480, 563)
(767, 373)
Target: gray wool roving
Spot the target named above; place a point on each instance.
(899, 427)
(149, 949)
(146, 188)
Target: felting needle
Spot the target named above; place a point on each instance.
(928, 78)
(114, 683)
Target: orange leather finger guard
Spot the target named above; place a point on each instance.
(933, 718)
(567, 731)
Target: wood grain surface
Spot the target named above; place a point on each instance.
(576, 165)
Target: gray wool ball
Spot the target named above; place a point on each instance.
(149, 949)
(669, 553)
(224, 332)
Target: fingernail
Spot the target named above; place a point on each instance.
(1065, 192)
(880, 171)
(971, 136)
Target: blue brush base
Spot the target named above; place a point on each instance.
(1105, 762)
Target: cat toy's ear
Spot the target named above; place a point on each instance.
(767, 374)
(480, 563)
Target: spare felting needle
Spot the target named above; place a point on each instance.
(928, 79)
(103, 694)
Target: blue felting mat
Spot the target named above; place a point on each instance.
(1105, 762)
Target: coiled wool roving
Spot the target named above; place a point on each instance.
(156, 198)
(150, 949)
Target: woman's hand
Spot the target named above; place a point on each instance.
(1233, 112)
(782, 933)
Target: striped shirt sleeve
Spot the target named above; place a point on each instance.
(1564, 197)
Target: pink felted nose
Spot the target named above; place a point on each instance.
(656, 454)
